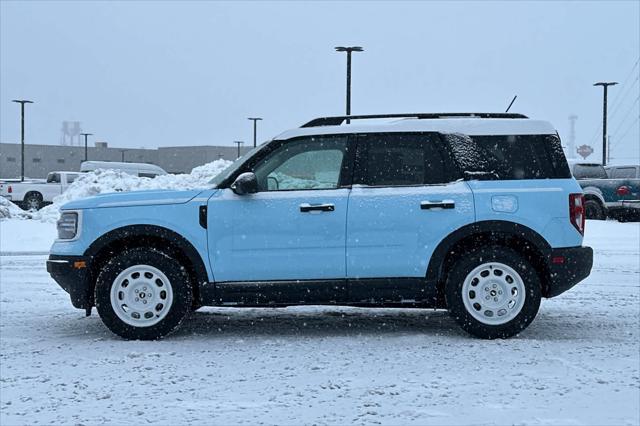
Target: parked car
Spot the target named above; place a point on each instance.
(609, 193)
(33, 194)
(474, 213)
(135, 169)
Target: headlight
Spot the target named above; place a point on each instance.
(68, 226)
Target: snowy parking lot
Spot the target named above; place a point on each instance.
(578, 363)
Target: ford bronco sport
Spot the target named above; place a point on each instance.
(474, 213)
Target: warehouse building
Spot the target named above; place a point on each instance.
(42, 159)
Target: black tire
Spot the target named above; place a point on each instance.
(178, 281)
(32, 201)
(594, 210)
(465, 265)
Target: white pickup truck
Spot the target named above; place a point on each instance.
(33, 195)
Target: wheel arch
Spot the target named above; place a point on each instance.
(513, 235)
(155, 236)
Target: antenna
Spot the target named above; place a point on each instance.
(512, 101)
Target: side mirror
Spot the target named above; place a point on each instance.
(246, 183)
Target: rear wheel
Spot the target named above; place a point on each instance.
(594, 210)
(493, 293)
(143, 294)
(32, 201)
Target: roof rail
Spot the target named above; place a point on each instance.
(338, 120)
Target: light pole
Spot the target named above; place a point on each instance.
(86, 155)
(238, 143)
(22, 102)
(255, 128)
(349, 50)
(605, 86)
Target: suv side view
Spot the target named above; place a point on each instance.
(474, 213)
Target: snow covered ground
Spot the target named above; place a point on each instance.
(578, 363)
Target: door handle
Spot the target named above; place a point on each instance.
(306, 207)
(445, 204)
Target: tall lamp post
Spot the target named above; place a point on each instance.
(605, 86)
(349, 50)
(86, 152)
(238, 143)
(255, 128)
(22, 102)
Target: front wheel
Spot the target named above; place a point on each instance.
(493, 293)
(143, 294)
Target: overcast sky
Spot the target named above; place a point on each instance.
(148, 74)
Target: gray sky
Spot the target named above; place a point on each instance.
(147, 74)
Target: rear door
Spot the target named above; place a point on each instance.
(405, 199)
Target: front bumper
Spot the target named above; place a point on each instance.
(567, 267)
(73, 274)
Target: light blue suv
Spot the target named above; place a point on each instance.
(474, 213)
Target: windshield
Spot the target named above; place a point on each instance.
(231, 168)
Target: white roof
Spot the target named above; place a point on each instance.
(466, 125)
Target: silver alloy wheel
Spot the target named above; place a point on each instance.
(141, 295)
(32, 204)
(493, 293)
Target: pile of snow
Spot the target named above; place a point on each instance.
(105, 181)
(10, 210)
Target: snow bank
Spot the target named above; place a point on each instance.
(10, 210)
(105, 181)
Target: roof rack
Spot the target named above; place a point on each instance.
(338, 120)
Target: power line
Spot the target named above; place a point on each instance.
(626, 116)
(629, 128)
(624, 84)
(615, 109)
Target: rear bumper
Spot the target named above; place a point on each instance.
(72, 273)
(624, 204)
(567, 267)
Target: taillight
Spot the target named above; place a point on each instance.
(623, 190)
(9, 190)
(576, 211)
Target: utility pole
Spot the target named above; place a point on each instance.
(349, 50)
(255, 132)
(571, 149)
(86, 155)
(605, 86)
(238, 143)
(22, 102)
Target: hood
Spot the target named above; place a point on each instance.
(134, 198)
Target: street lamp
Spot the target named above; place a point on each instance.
(86, 155)
(238, 143)
(604, 85)
(349, 50)
(255, 120)
(22, 102)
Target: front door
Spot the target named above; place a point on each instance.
(291, 231)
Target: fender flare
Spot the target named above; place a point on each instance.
(594, 192)
(435, 269)
(157, 232)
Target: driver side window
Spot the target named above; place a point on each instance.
(310, 163)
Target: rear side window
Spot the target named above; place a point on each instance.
(623, 173)
(398, 159)
(589, 171)
(510, 157)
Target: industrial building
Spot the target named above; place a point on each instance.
(42, 159)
